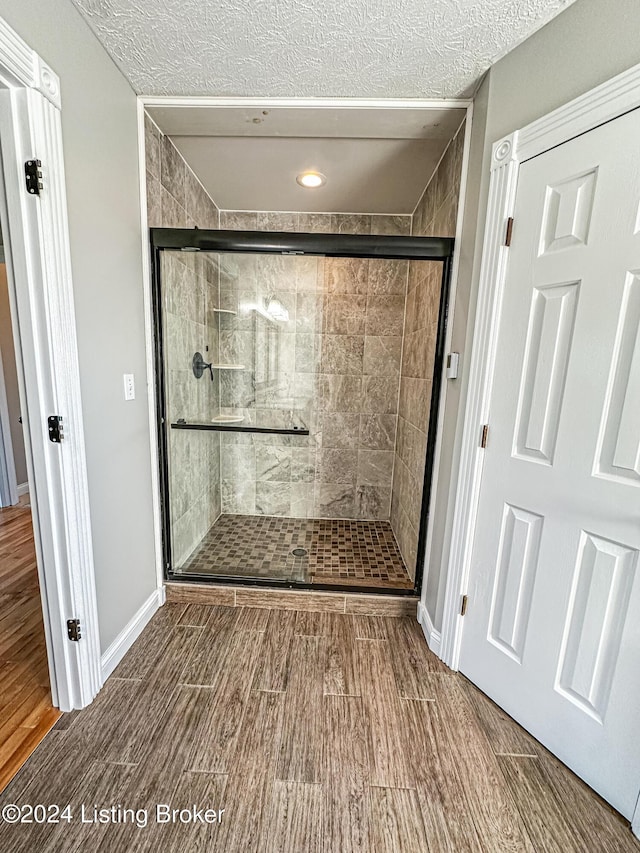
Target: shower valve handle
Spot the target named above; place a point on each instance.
(199, 365)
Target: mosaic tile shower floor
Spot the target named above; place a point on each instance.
(337, 551)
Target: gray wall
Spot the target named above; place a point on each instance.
(11, 379)
(99, 125)
(590, 42)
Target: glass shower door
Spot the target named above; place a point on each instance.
(297, 392)
(242, 375)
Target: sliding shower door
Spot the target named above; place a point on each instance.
(297, 392)
(242, 382)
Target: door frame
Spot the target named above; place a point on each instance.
(8, 479)
(605, 103)
(41, 294)
(205, 102)
(602, 104)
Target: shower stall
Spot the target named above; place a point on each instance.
(288, 409)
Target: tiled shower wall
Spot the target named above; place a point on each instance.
(343, 344)
(435, 216)
(175, 199)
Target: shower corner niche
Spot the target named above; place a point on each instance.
(227, 419)
(228, 367)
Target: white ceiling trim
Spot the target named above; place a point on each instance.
(307, 103)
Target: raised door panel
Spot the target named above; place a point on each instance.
(603, 579)
(567, 213)
(514, 580)
(549, 337)
(619, 447)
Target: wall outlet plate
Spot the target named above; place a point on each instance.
(453, 360)
(129, 387)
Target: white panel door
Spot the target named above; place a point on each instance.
(552, 630)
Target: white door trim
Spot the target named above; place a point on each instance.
(306, 103)
(432, 635)
(602, 104)
(39, 268)
(8, 480)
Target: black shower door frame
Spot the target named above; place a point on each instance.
(287, 243)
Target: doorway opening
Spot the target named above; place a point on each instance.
(51, 549)
(26, 702)
(336, 355)
(280, 361)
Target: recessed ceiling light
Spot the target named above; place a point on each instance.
(311, 180)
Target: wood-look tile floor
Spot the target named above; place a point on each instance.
(314, 732)
(26, 713)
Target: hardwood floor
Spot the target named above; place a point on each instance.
(26, 713)
(316, 732)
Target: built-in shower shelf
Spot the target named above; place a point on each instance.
(228, 367)
(227, 419)
(224, 311)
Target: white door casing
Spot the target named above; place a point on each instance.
(39, 267)
(550, 632)
(604, 103)
(8, 481)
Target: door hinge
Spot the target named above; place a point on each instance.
(484, 436)
(56, 433)
(33, 176)
(463, 608)
(509, 234)
(73, 630)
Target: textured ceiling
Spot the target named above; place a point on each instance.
(314, 48)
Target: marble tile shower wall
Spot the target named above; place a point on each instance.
(175, 199)
(436, 216)
(340, 352)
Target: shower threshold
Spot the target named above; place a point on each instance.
(336, 554)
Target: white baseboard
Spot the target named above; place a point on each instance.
(23, 489)
(432, 636)
(130, 633)
(635, 821)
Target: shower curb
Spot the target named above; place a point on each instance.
(326, 602)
